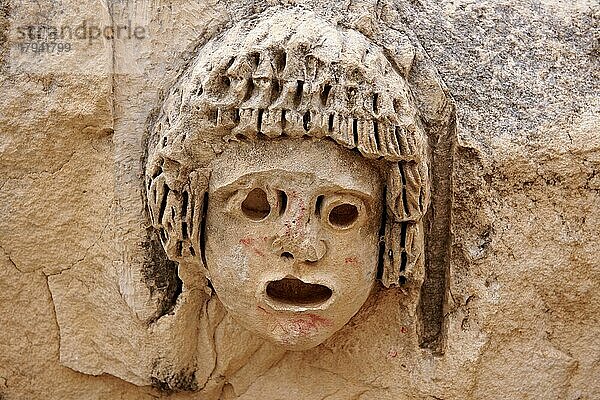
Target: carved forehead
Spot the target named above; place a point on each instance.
(306, 163)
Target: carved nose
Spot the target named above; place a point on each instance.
(306, 250)
(298, 237)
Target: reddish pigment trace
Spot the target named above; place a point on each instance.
(351, 260)
(308, 324)
(250, 243)
(305, 324)
(392, 354)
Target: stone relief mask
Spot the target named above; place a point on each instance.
(292, 236)
(287, 175)
(289, 167)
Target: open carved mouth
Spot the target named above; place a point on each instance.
(293, 291)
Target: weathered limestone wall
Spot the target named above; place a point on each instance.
(522, 297)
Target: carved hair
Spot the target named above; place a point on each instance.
(290, 75)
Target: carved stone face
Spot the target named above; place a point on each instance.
(292, 236)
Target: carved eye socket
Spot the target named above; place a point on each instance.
(256, 205)
(343, 215)
(340, 210)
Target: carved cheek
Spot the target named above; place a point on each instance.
(358, 265)
(232, 266)
(351, 261)
(253, 245)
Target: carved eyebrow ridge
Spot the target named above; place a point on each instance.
(250, 180)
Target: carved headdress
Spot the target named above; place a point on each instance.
(291, 75)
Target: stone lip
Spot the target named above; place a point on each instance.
(293, 294)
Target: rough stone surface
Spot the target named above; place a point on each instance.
(522, 298)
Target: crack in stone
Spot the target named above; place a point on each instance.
(85, 254)
(210, 378)
(10, 260)
(54, 315)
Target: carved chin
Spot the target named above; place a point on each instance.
(300, 330)
(295, 313)
(291, 313)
